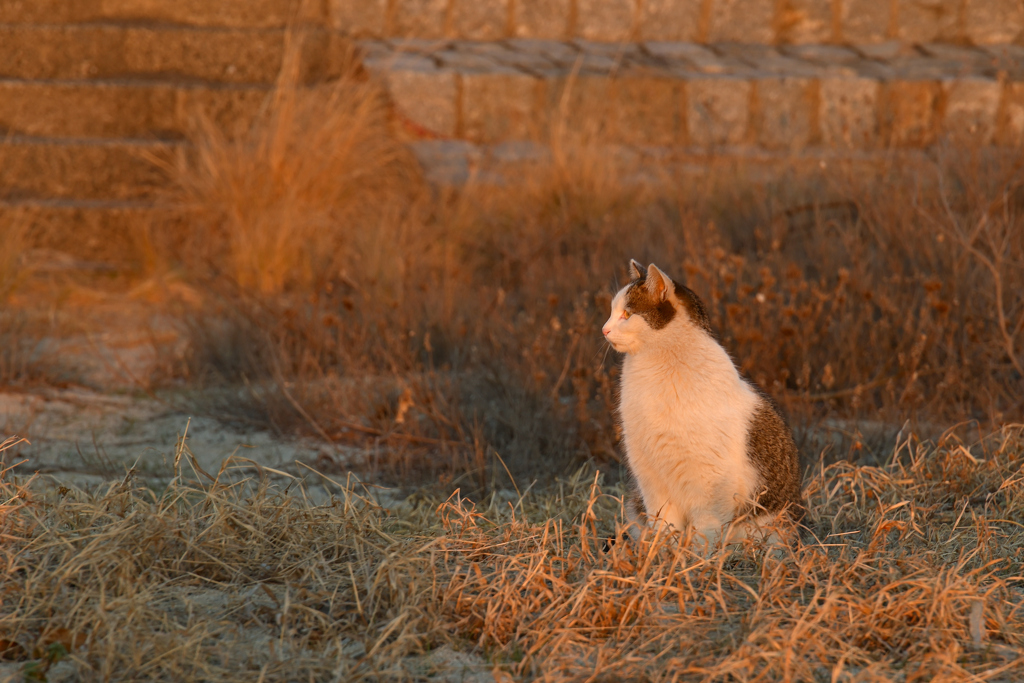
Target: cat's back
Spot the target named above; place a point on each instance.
(773, 452)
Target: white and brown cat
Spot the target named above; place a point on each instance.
(704, 445)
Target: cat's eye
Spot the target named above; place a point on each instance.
(625, 315)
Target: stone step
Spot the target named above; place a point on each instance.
(123, 108)
(766, 22)
(115, 51)
(705, 96)
(111, 234)
(233, 13)
(43, 168)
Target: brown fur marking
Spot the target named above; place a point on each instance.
(658, 314)
(770, 447)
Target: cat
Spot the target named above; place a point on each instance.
(703, 444)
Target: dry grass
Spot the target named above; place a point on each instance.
(13, 235)
(24, 355)
(909, 572)
(280, 208)
(465, 320)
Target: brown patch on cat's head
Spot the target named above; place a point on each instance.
(654, 296)
(694, 306)
(640, 301)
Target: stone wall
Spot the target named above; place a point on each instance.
(767, 22)
(710, 98)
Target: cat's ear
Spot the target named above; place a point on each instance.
(658, 284)
(636, 271)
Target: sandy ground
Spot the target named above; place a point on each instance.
(87, 433)
(99, 416)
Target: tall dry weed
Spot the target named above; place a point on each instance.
(27, 351)
(280, 206)
(14, 238)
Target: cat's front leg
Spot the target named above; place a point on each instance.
(667, 518)
(635, 514)
(709, 530)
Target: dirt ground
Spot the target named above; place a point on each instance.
(86, 436)
(101, 405)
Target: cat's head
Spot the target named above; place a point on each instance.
(651, 304)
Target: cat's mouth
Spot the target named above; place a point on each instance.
(618, 347)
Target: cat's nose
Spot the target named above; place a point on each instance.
(606, 330)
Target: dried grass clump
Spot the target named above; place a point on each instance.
(13, 235)
(24, 356)
(280, 206)
(907, 571)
